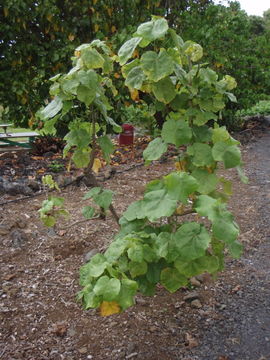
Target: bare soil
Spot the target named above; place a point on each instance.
(40, 318)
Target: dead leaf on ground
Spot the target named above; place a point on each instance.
(9, 277)
(236, 289)
(190, 341)
(59, 329)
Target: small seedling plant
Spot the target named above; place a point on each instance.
(159, 241)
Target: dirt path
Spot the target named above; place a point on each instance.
(243, 333)
(40, 320)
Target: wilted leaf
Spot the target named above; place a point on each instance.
(109, 308)
(96, 166)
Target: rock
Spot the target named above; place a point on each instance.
(18, 238)
(196, 304)
(90, 254)
(33, 185)
(83, 350)
(4, 229)
(195, 282)
(21, 223)
(131, 347)
(130, 356)
(16, 188)
(192, 296)
(48, 154)
(190, 341)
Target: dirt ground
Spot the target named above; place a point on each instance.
(40, 318)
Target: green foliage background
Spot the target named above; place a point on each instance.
(38, 37)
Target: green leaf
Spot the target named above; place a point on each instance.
(164, 90)
(107, 288)
(137, 268)
(202, 133)
(176, 132)
(208, 75)
(135, 78)
(224, 228)
(202, 117)
(128, 227)
(92, 59)
(104, 199)
(96, 266)
(242, 175)
(231, 96)
(153, 30)
(52, 108)
(86, 95)
(126, 50)
(88, 78)
(207, 263)
(207, 206)
(90, 300)
(88, 212)
(91, 193)
(201, 154)
(135, 211)
(192, 239)
(106, 145)
(155, 149)
(180, 185)
(81, 157)
(153, 273)
(172, 280)
(116, 249)
(48, 220)
(220, 134)
(149, 254)
(129, 66)
(157, 66)
(135, 253)
(146, 287)
(70, 86)
(235, 249)
(230, 155)
(127, 292)
(78, 137)
(207, 182)
(180, 102)
(157, 204)
(193, 50)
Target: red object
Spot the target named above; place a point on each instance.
(127, 136)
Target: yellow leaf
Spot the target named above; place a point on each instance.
(69, 165)
(116, 75)
(134, 93)
(77, 53)
(96, 27)
(23, 25)
(71, 37)
(113, 29)
(55, 27)
(24, 100)
(49, 17)
(136, 54)
(109, 10)
(5, 11)
(180, 165)
(96, 166)
(180, 209)
(109, 308)
(95, 1)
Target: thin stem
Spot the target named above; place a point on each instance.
(88, 171)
